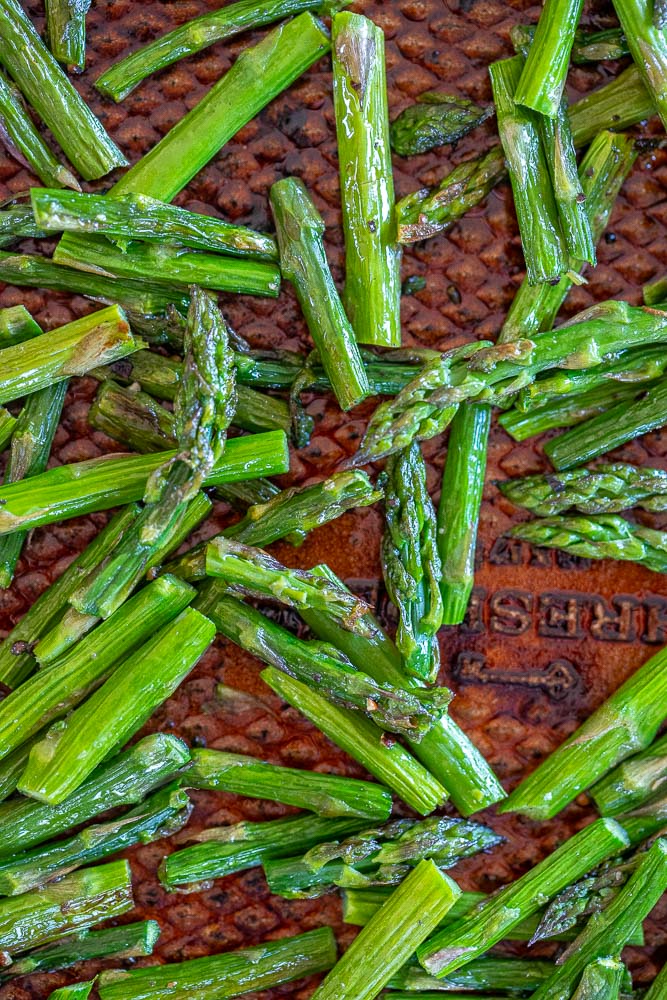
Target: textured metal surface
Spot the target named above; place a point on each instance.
(515, 696)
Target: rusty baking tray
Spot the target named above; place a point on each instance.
(548, 637)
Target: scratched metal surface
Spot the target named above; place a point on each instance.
(514, 694)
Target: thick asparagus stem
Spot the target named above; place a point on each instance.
(228, 975)
(73, 748)
(648, 48)
(603, 490)
(435, 120)
(502, 974)
(81, 899)
(101, 483)
(490, 921)
(608, 933)
(324, 794)
(386, 943)
(50, 93)
(634, 782)
(17, 325)
(587, 47)
(17, 223)
(568, 410)
(27, 142)
(13, 765)
(543, 76)
(389, 762)
(303, 262)
(73, 349)
(372, 256)
(50, 694)
(625, 723)
(124, 780)
(66, 31)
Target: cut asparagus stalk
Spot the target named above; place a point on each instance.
(73, 349)
(81, 899)
(608, 932)
(655, 292)
(13, 765)
(101, 483)
(257, 412)
(537, 215)
(45, 85)
(193, 36)
(436, 119)
(7, 427)
(445, 751)
(246, 845)
(50, 694)
(391, 709)
(601, 980)
(658, 990)
(17, 223)
(386, 943)
(158, 376)
(587, 47)
(303, 262)
(77, 991)
(228, 975)
(324, 794)
(543, 76)
(603, 490)
(648, 48)
(31, 447)
(372, 256)
(26, 143)
(124, 780)
(502, 974)
(387, 761)
(76, 746)
(137, 217)
(646, 821)
(490, 921)
(624, 724)
(17, 325)
(634, 782)
(66, 31)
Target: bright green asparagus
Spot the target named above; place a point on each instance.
(604, 489)
(27, 141)
(66, 31)
(435, 120)
(648, 48)
(543, 76)
(634, 782)
(588, 46)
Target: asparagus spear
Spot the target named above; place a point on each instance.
(624, 724)
(123, 780)
(25, 142)
(608, 932)
(587, 47)
(507, 975)
(44, 84)
(658, 990)
(411, 564)
(445, 751)
(372, 256)
(7, 427)
(246, 845)
(605, 536)
(31, 447)
(382, 947)
(66, 31)
(128, 941)
(49, 694)
(17, 325)
(605, 489)
(74, 747)
(70, 350)
(227, 975)
(303, 262)
(601, 980)
(101, 483)
(435, 120)
(77, 991)
(543, 76)
(648, 48)
(655, 292)
(633, 782)
(17, 223)
(491, 920)
(13, 765)
(79, 900)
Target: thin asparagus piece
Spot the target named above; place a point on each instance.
(137, 217)
(604, 489)
(66, 31)
(634, 782)
(128, 941)
(227, 975)
(569, 410)
(608, 932)
(31, 447)
(79, 900)
(445, 751)
(411, 563)
(77, 991)
(435, 119)
(101, 483)
(17, 223)
(47, 88)
(655, 292)
(543, 76)
(491, 920)
(49, 694)
(648, 48)
(229, 849)
(611, 429)
(537, 214)
(121, 781)
(25, 143)
(372, 256)
(303, 262)
(658, 989)
(507, 975)
(73, 349)
(390, 938)
(624, 724)
(17, 325)
(7, 427)
(605, 536)
(587, 47)
(74, 747)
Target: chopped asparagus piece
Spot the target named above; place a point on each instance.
(17, 325)
(18, 223)
(507, 975)
(26, 143)
(648, 48)
(601, 980)
(569, 410)
(77, 991)
(543, 76)
(588, 46)
(634, 782)
(435, 119)
(605, 489)
(66, 31)
(7, 427)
